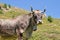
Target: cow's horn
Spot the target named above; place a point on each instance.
(31, 9)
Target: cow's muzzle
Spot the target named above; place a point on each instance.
(39, 22)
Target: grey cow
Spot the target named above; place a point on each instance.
(23, 23)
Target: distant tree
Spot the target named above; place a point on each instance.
(0, 7)
(5, 6)
(50, 19)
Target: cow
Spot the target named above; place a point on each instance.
(20, 24)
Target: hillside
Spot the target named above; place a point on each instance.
(6, 12)
(45, 31)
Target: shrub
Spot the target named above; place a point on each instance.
(9, 6)
(0, 7)
(49, 18)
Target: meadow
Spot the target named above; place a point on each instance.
(45, 31)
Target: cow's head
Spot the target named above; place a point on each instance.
(40, 15)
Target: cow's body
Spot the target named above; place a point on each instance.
(9, 25)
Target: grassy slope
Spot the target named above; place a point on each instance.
(46, 31)
(12, 13)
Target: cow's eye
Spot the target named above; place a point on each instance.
(38, 15)
(35, 16)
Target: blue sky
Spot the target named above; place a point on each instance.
(52, 6)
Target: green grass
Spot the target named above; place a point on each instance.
(45, 31)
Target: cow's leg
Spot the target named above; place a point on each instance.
(19, 34)
(28, 34)
(26, 38)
